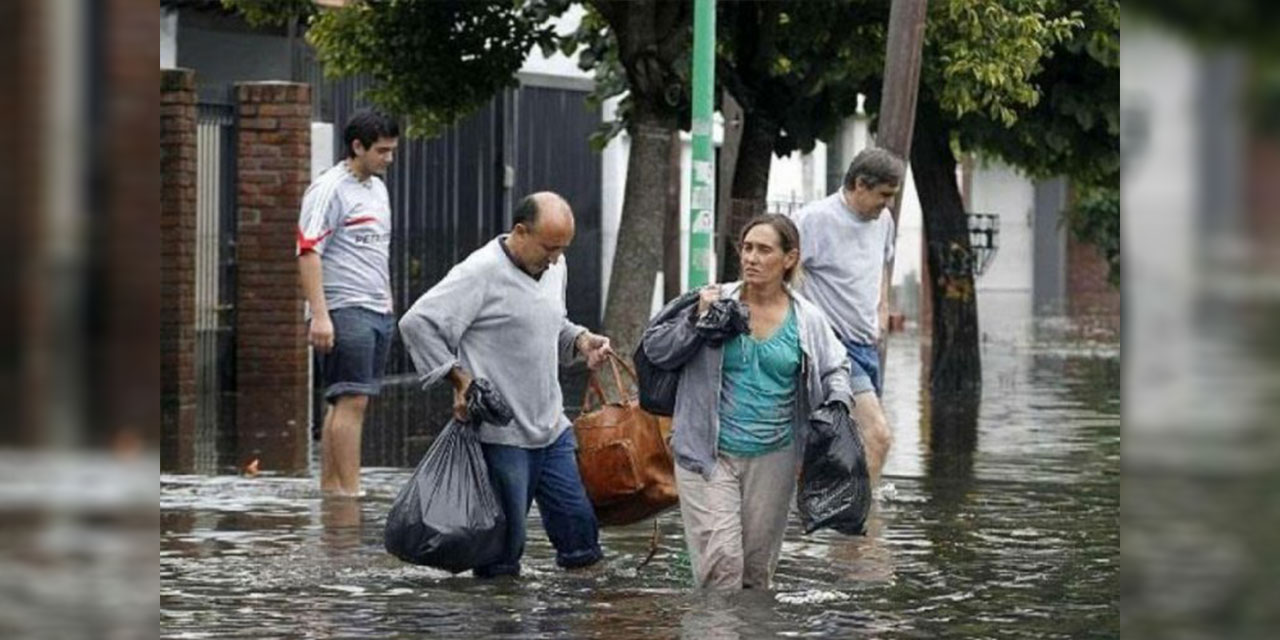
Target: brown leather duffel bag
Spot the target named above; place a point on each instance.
(623, 453)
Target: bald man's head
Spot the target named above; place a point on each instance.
(542, 231)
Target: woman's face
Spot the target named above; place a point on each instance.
(763, 261)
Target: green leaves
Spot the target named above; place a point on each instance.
(274, 13)
(981, 55)
(430, 62)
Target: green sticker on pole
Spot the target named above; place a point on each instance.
(702, 173)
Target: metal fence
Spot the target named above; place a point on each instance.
(215, 284)
(453, 193)
(784, 207)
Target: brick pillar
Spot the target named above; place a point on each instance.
(1090, 295)
(273, 157)
(177, 267)
(123, 407)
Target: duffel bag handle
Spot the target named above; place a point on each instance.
(594, 388)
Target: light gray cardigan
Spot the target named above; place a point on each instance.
(675, 344)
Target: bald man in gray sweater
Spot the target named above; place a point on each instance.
(500, 315)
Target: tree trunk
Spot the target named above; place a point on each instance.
(750, 184)
(726, 161)
(956, 368)
(640, 233)
(671, 284)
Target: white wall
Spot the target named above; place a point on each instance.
(168, 39)
(322, 148)
(909, 251)
(613, 180)
(798, 177)
(1005, 304)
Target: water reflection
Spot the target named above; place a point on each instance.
(996, 518)
(341, 519)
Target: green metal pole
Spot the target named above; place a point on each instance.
(702, 180)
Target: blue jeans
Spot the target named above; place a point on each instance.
(864, 368)
(549, 475)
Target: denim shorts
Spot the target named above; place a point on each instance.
(864, 368)
(361, 343)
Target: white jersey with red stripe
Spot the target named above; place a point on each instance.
(348, 223)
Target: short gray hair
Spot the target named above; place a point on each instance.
(875, 167)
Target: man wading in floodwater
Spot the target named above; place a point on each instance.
(845, 243)
(500, 315)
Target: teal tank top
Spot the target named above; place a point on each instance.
(758, 391)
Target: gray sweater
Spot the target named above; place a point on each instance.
(497, 322)
(674, 344)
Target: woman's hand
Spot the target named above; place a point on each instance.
(706, 296)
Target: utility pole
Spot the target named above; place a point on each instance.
(702, 179)
(901, 83)
(898, 96)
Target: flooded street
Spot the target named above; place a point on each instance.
(1003, 528)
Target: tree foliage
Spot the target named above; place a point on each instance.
(1073, 129)
(1250, 24)
(430, 62)
(1072, 126)
(1036, 85)
(799, 66)
(276, 13)
(651, 62)
(1242, 26)
(981, 56)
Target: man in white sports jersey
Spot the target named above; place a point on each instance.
(344, 238)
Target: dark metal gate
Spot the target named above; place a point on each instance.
(215, 287)
(449, 196)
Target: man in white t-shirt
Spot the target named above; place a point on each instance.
(845, 243)
(344, 242)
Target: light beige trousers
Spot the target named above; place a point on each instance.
(733, 523)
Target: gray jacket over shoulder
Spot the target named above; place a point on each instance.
(675, 344)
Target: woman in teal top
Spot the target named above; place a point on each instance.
(739, 406)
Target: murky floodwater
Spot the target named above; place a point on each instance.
(1007, 527)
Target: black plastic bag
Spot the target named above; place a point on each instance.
(657, 386)
(725, 319)
(835, 489)
(447, 515)
(486, 405)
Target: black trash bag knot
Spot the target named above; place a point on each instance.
(486, 405)
(725, 319)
